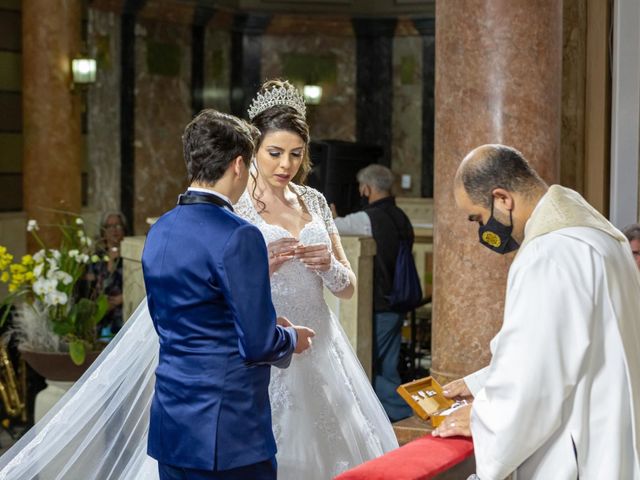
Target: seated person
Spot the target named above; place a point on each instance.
(106, 275)
(387, 223)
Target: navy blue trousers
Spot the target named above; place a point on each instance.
(386, 355)
(267, 470)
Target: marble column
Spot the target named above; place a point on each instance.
(201, 17)
(130, 10)
(52, 156)
(374, 82)
(427, 29)
(246, 60)
(498, 80)
(103, 112)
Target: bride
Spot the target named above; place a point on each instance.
(326, 383)
(326, 417)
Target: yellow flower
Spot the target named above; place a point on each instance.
(17, 268)
(5, 260)
(12, 288)
(27, 260)
(4, 277)
(3, 250)
(29, 277)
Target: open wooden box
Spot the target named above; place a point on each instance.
(426, 398)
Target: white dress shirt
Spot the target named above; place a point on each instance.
(357, 223)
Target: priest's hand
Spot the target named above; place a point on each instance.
(458, 390)
(304, 338)
(456, 424)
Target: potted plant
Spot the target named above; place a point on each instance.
(54, 320)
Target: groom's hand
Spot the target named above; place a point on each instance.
(304, 338)
(284, 322)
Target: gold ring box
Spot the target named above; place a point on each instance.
(426, 399)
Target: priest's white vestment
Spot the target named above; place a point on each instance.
(561, 396)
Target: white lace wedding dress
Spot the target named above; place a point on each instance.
(326, 416)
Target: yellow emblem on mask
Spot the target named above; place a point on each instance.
(491, 239)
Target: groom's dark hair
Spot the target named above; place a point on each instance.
(212, 140)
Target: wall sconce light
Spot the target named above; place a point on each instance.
(312, 94)
(83, 70)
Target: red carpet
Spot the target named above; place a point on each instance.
(421, 459)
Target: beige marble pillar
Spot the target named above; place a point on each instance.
(356, 314)
(52, 155)
(133, 280)
(498, 80)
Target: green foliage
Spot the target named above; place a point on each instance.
(77, 351)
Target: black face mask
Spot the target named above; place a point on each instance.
(496, 236)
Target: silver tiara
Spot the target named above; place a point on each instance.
(277, 96)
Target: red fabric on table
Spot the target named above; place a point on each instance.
(420, 459)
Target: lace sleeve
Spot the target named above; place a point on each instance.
(245, 209)
(336, 279)
(317, 203)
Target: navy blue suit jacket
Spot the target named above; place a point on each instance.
(207, 278)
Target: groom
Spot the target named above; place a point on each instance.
(207, 278)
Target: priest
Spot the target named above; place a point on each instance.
(561, 396)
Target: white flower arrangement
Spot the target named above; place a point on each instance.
(48, 280)
(44, 286)
(55, 298)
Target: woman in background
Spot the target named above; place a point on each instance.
(106, 275)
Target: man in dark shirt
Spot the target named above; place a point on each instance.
(387, 224)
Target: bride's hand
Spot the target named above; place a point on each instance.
(315, 257)
(281, 251)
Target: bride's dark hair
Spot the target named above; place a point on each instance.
(284, 117)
